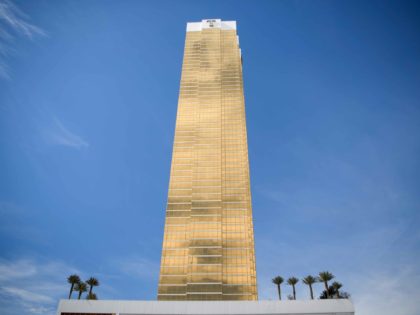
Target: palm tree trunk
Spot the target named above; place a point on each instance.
(294, 292)
(71, 290)
(312, 292)
(326, 289)
(279, 290)
(80, 294)
(90, 289)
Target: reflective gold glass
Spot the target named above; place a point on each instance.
(208, 248)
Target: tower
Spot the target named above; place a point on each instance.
(208, 248)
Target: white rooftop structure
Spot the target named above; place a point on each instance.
(318, 307)
(211, 23)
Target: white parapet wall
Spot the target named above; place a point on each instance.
(318, 307)
(210, 23)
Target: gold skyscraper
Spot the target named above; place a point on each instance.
(208, 248)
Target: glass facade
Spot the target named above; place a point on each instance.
(208, 247)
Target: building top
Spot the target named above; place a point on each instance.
(211, 23)
(307, 307)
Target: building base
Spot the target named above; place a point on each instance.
(109, 307)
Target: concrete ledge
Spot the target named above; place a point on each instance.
(319, 307)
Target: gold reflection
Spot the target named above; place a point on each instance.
(208, 247)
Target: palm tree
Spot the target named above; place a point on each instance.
(277, 281)
(309, 280)
(91, 296)
(73, 279)
(292, 281)
(337, 286)
(92, 282)
(325, 276)
(80, 287)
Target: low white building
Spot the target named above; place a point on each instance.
(318, 307)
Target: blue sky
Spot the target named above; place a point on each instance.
(88, 95)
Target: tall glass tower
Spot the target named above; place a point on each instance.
(208, 248)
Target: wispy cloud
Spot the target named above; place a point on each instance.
(13, 23)
(16, 270)
(32, 286)
(26, 295)
(61, 135)
(346, 217)
(40, 310)
(387, 292)
(376, 266)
